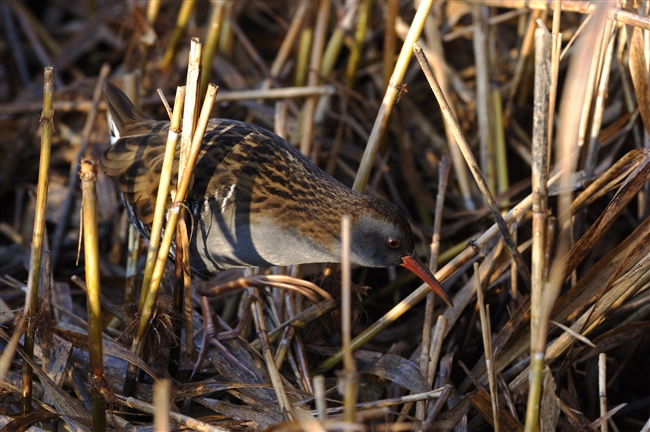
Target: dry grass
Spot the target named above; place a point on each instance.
(559, 128)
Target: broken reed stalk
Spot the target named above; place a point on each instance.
(392, 91)
(433, 355)
(300, 365)
(182, 287)
(274, 374)
(500, 151)
(7, 356)
(163, 99)
(31, 299)
(350, 374)
(188, 97)
(513, 268)
(483, 95)
(182, 296)
(153, 7)
(280, 120)
(335, 43)
(191, 106)
(172, 219)
(473, 166)
(73, 178)
(186, 306)
(443, 180)
(149, 293)
(602, 388)
(315, 62)
(163, 189)
(304, 48)
(161, 392)
(283, 346)
(522, 60)
(320, 399)
(181, 22)
(359, 38)
(539, 176)
(486, 332)
(88, 176)
(391, 12)
(287, 43)
(212, 33)
(436, 347)
(227, 35)
(131, 271)
(444, 169)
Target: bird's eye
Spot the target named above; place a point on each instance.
(392, 243)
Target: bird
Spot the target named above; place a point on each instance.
(256, 200)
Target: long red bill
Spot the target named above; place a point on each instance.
(413, 263)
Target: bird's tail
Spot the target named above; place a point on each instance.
(124, 119)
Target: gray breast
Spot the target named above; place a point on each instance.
(224, 236)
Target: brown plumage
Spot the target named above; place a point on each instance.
(255, 200)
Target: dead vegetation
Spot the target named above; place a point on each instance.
(543, 243)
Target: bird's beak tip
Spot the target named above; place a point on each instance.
(413, 263)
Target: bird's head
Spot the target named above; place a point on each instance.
(382, 237)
